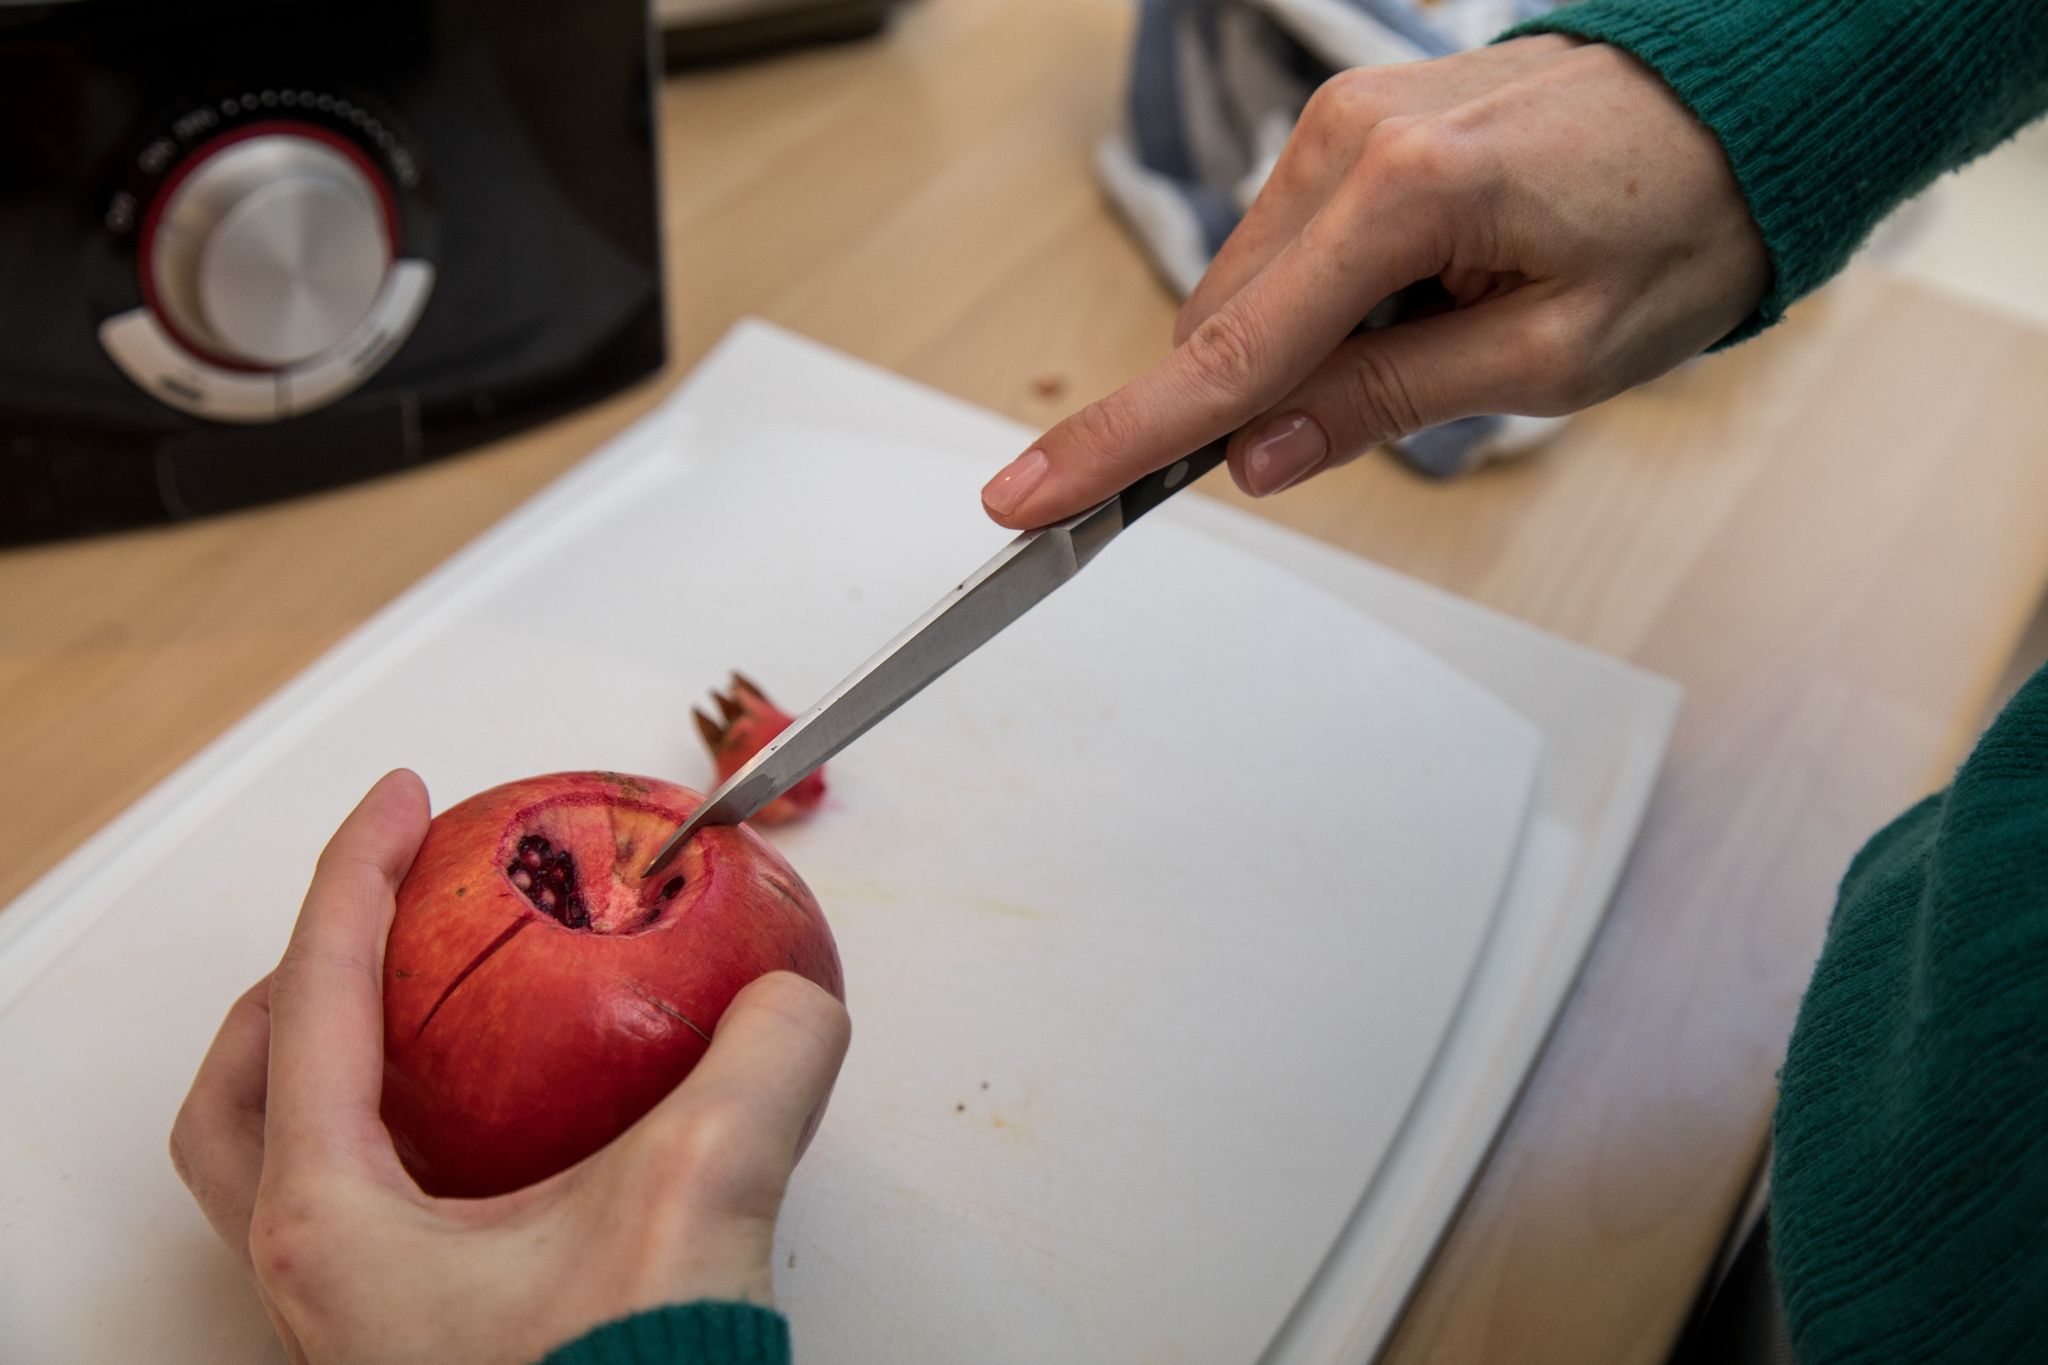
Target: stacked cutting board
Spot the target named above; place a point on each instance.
(1198, 931)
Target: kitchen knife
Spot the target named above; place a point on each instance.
(1000, 591)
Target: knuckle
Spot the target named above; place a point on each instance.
(288, 978)
(285, 1235)
(1416, 153)
(349, 873)
(1344, 97)
(1555, 362)
(311, 961)
(1336, 114)
(1224, 353)
(1103, 428)
(1381, 406)
(710, 1159)
(184, 1142)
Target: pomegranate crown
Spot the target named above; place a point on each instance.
(744, 712)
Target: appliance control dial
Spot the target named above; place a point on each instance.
(269, 250)
(273, 274)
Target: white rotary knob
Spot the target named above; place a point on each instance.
(270, 250)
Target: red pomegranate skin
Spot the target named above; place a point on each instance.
(527, 1026)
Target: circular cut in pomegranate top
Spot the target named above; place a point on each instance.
(540, 996)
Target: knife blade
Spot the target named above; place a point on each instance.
(1021, 575)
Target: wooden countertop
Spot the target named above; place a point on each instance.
(1832, 537)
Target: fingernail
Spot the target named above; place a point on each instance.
(1006, 492)
(1284, 451)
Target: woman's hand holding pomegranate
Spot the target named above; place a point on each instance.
(281, 1144)
(1586, 225)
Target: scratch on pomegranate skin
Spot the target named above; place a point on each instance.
(788, 893)
(489, 948)
(670, 1010)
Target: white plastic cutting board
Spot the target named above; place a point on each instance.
(1158, 914)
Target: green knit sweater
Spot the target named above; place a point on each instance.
(1910, 1183)
(1910, 1177)
(706, 1333)
(1910, 1167)
(1832, 111)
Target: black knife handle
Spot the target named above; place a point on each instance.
(1161, 484)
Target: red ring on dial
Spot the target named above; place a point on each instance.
(145, 245)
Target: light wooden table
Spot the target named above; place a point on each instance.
(1831, 537)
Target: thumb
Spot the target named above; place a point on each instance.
(1511, 354)
(745, 1113)
(326, 1003)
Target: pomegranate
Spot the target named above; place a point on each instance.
(748, 720)
(540, 996)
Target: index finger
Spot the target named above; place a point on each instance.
(217, 1140)
(1249, 353)
(326, 997)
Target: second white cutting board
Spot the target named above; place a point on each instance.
(1154, 913)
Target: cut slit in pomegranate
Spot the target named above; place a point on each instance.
(516, 1042)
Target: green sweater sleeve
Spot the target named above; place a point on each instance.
(1909, 1181)
(1832, 112)
(704, 1333)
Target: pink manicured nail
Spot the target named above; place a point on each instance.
(1006, 492)
(1284, 451)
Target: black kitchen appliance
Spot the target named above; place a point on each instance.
(251, 248)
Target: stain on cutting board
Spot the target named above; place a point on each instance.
(991, 1112)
